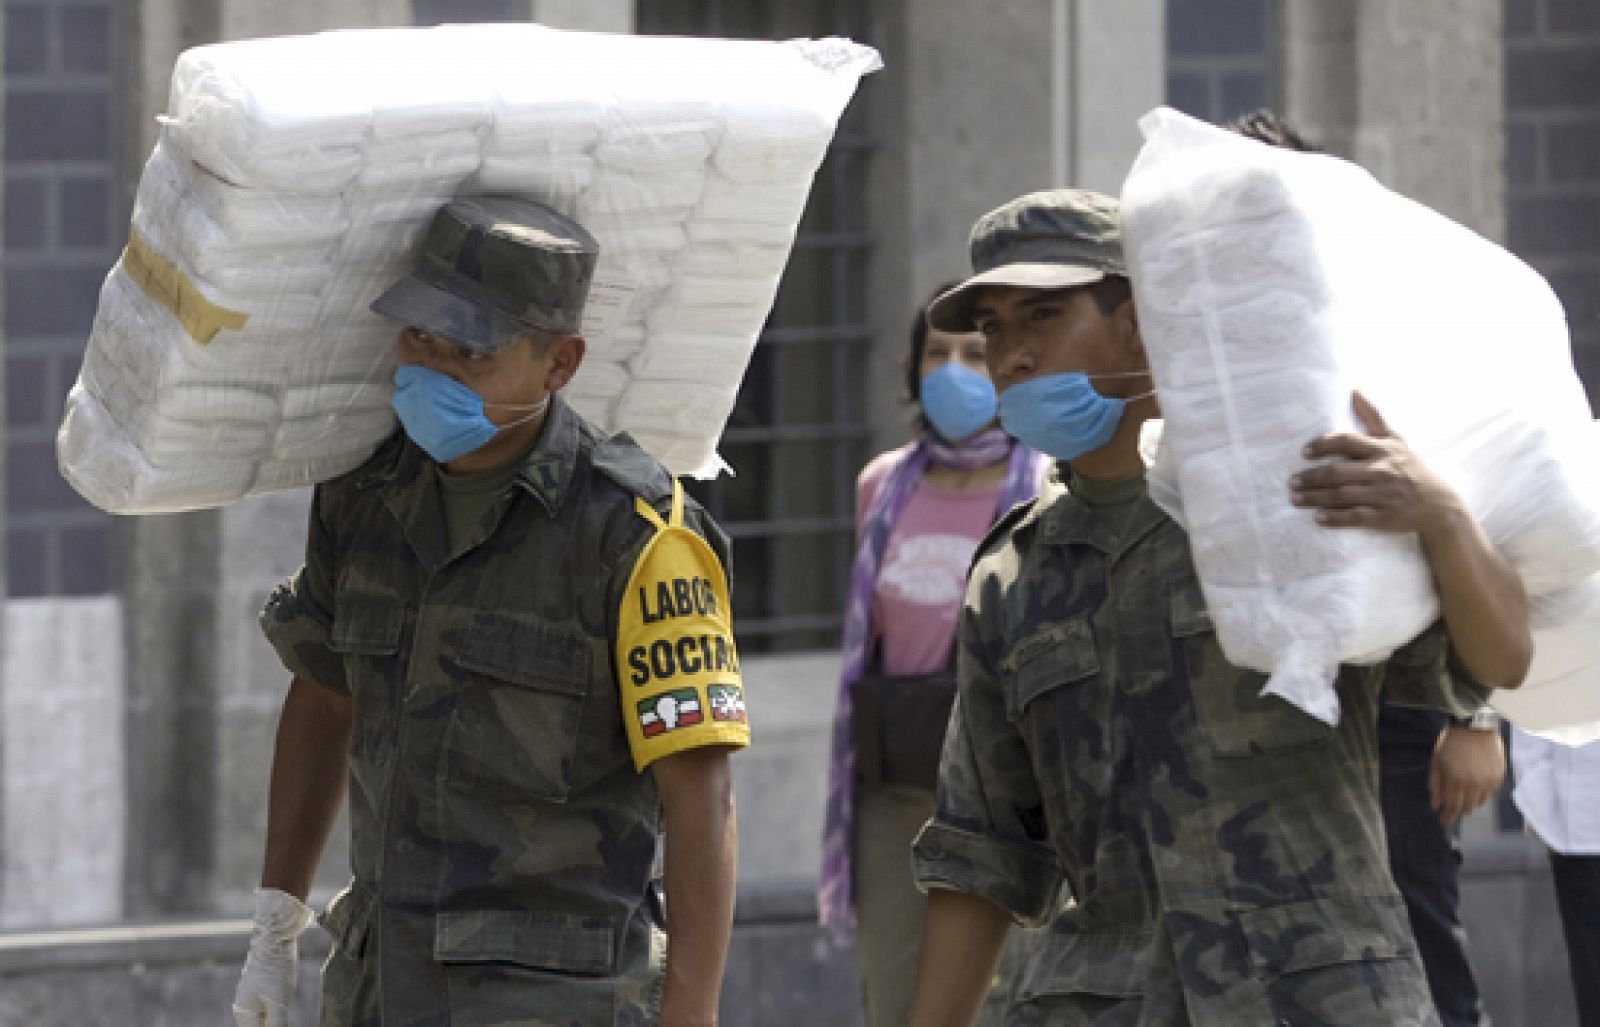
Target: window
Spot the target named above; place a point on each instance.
(1221, 58)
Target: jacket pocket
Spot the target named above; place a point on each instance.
(524, 651)
(366, 634)
(1060, 704)
(348, 977)
(556, 942)
(1298, 936)
(347, 920)
(366, 624)
(525, 685)
(1338, 959)
(1234, 717)
(1059, 655)
(1112, 964)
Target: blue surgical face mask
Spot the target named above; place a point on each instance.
(445, 417)
(1061, 415)
(958, 401)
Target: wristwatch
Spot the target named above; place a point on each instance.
(1484, 718)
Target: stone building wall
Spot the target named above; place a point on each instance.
(1552, 53)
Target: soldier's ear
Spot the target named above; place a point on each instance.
(566, 356)
(1127, 319)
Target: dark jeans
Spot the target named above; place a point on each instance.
(1578, 894)
(1425, 859)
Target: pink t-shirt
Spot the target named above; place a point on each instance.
(924, 570)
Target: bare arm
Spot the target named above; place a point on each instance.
(309, 777)
(702, 846)
(1466, 771)
(961, 941)
(1485, 607)
(1375, 481)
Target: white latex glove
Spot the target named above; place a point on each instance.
(266, 988)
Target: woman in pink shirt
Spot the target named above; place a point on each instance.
(921, 511)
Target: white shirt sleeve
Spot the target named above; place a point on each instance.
(1558, 792)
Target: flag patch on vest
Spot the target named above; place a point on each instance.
(727, 703)
(669, 711)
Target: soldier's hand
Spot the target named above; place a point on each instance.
(1372, 479)
(266, 988)
(1466, 771)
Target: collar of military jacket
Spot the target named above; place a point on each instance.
(1071, 521)
(548, 469)
(545, 473)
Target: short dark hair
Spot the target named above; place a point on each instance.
(1268, 126)
(1110, 293)
(919, 344)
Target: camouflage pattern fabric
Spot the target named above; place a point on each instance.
(1052, 239)
(1053, 226)
(503, 846)
(494, 268)
(1225, 851)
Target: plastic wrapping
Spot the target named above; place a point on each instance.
(233, 351)
(1561, 698)
(1270, 285)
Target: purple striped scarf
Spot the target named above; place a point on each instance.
(835, 887)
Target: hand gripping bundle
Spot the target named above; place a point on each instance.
(233, 353)
(1271, 284)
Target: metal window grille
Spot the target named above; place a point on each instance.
(1222, 56)
(798, 433)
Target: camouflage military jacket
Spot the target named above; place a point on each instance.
(1224, 850)
(503, 843)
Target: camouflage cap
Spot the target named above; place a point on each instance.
(1046, 240)
(493, 268)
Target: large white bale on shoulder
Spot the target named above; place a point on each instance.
(295, 177)
(1270, 286)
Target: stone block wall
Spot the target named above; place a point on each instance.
(63, 227)
(62, 764)
(1552, 161)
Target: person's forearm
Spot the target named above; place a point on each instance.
(961, 941)
(308, 784)
(1371, 479)
(701, 853)
(1485, 608)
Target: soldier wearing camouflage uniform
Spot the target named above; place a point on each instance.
(1223, 850)
(511, 631)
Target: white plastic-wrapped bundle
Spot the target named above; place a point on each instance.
(1271, 285)
(1561, 698)
(233, 351)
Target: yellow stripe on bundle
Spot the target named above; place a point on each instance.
(165, 283)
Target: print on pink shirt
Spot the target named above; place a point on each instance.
(927, 570)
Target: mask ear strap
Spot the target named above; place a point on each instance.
(535, 408)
